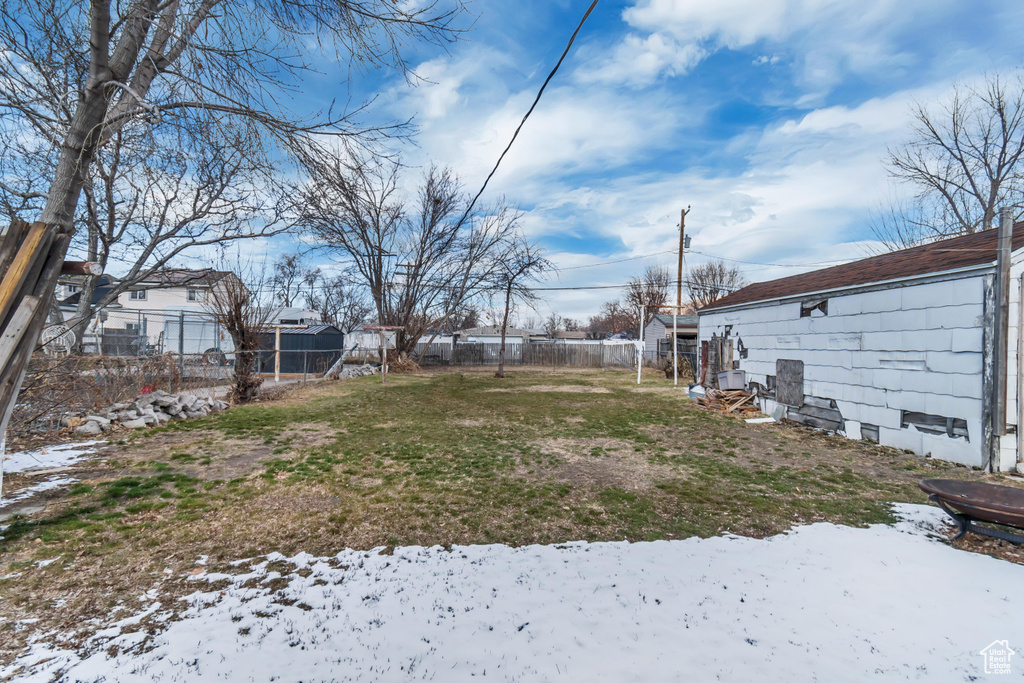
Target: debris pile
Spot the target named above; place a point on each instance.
(146, 410)
(735, 401)
(350, 371)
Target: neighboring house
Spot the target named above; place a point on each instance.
(658, 334)
(896, 349)
(293, 316)
(491, 334)
(575, 335)
(164, 312)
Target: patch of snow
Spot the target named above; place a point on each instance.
(49, 456)
(46, 563)
(820, 602)
(29, 491)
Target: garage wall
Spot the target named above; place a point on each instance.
(915, 348)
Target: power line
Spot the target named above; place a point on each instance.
(621, 260)
(547, 80)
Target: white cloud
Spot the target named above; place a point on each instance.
(830, 37)
(638, 61)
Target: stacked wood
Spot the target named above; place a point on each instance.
(31, 257)
(734, 401)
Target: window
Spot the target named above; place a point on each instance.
(73, 288)
(137, 295)
(196, 294)
(814, 309)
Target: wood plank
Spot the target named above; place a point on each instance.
(16, 329)
(20, 268)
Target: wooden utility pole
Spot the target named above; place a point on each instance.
(682, 241)
(1002, 325)
(679, 298)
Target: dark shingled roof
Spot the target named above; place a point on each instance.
(937, 257)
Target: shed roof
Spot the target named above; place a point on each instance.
(681, 320)
(936, 257)
(313, 328)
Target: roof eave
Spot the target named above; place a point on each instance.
(954, 274)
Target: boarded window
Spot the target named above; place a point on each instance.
(953, 427)
(789, 378)
(814, 309)
(869, 432)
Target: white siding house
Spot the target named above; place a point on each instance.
(892, 348)
(660, 328)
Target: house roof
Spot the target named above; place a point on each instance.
(936, 257)
(681, 320)
(492, 330)
(183, 276)
(102, 287)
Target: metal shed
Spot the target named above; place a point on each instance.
(304, 350)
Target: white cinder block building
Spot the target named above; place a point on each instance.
(898, 349)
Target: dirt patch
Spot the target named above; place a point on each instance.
(310, 434)
(599, 463)
(565, 389)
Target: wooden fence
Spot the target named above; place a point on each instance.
(550, 354)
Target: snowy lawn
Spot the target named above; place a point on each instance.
(820, 603)
(447, 460)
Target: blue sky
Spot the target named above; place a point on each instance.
(770, 118)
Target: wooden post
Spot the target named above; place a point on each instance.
(1002, 326)
(1020, 375)
(277, 354)
(640, 348)
(383, 357)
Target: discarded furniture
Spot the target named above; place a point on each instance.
(970, 502)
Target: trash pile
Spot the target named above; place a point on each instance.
(146, 410)
(735, 401)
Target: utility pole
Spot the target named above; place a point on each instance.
(679, 298)
(682, 242)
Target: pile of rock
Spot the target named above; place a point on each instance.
(146, 410)
(350, 371)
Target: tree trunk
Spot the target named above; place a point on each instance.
(504, 330)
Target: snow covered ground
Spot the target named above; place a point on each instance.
(49, 457)
(820, 603)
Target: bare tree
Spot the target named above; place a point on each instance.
(422, 261)
(552, 324)
(612, 319)
(963, 160)
(337, 300)
(236, 307)
(74, 77)
(463, 320)
(288, 280)
(648, 292)
(169, 63)
(520, 264)
(710, 281)
(149, 201)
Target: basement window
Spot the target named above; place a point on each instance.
(953, 427)
(814, 309)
